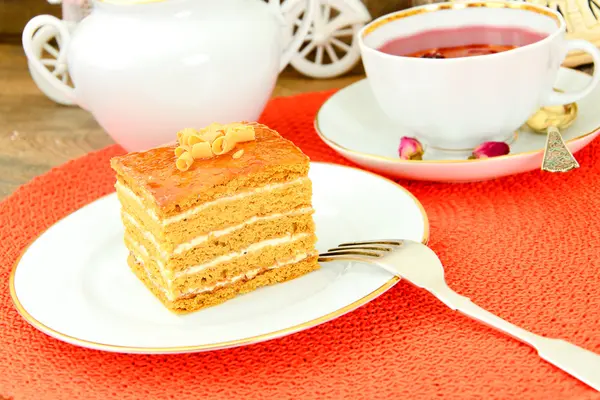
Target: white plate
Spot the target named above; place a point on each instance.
(73, 282)
(351, 123)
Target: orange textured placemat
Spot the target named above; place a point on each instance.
(525, 247)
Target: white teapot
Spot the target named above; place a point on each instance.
(147, 68)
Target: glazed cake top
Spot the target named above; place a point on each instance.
(154, 171)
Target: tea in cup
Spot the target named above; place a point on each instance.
(455, 75)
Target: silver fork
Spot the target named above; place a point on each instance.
(419, 265)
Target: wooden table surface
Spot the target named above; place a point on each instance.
(37, 134)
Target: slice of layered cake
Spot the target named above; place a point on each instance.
(224, 212)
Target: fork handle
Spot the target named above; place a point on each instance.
(576, 361)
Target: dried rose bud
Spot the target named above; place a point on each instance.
(410, 149)
(490, 149)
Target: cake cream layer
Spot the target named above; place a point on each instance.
(205, 247)
(248, 252)
(157, 281)
(218, 214)
(196, 301)
(153, 266)
(257, 255)
(248, 275)
(230, 269)
(236, 247)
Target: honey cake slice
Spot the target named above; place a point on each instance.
(201, 230)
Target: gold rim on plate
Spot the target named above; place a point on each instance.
(341, 149)
(212, 346)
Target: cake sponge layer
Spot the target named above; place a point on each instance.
(237, 241)
(243, 262)
(153, 266)
(220, 215)
(197, 252)
(225, 267)
(222, 294)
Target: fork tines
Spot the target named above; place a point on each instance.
(358, 250)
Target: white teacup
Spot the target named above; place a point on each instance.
(459, 103)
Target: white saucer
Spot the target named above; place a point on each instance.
(73, 282)
(351, 123)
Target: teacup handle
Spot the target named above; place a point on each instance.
(28, 46)
(559, 98)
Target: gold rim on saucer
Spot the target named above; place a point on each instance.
(212, 346)
(338, 147)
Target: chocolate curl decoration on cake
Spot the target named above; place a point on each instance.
(179, 150)
(410, 149)
(181, 133)
(221, 146)
(184, 161)
(201, 150)
(211, 136)
(212, 132)
(490, 149)
(194, 139)
(184, 135)
(214, 140)
(239, 133)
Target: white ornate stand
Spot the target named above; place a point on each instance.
(331, 48)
